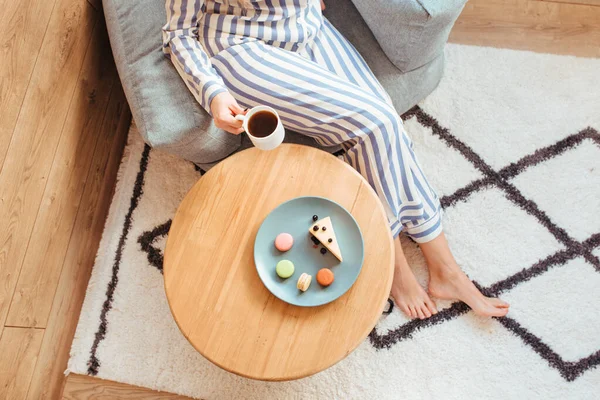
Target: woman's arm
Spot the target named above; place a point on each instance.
(180, 43)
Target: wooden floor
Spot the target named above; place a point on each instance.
(62, 129)
(63, 120)
(547, 26)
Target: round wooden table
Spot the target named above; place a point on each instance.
(212, 286)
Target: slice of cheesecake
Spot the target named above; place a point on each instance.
(323, 231)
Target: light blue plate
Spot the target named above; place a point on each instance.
(295, 218)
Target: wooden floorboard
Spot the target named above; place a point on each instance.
(54, 354)
(540, 26)
(576, 2)
(39, 126)
(22, 24)
(45, 254)
(80, 387)
(63, 127)
(19, 349)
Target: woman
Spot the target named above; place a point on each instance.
(285, 54)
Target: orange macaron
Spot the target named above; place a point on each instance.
(325, 277)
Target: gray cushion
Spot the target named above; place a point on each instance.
(405, 89)
(411, 32)
(167, 115)
(164, 110)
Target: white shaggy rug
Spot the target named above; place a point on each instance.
(511, 142)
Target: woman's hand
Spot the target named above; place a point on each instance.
(224, 108)
(322, 5)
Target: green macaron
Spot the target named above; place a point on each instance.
(285, 269)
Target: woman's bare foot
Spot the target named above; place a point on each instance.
(453, 284)
(406, 291)
(448, 281)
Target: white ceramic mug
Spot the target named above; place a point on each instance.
(268, 142)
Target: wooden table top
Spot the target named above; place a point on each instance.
(213, 288)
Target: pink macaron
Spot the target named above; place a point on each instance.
(284, 242)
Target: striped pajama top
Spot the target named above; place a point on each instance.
(196, 30)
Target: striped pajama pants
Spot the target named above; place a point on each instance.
(326, 91)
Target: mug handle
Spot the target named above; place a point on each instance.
(240, 117)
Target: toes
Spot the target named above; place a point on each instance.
(420, 313)
(413, 312)
(502, 304)
(491, 310)
(404, 308)
(500, 312)
(431, 306)
(425, 311)
(498, 303)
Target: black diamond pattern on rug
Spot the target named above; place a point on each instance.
(500, 179)
(149, 238)
(147, 241)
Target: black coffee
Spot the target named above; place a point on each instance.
(262, 124)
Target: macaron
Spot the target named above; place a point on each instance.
(304, 282)
(285, 269)
(284, 242)
(325, 277)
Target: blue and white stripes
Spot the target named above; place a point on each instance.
(284, 54)
(197, 30)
